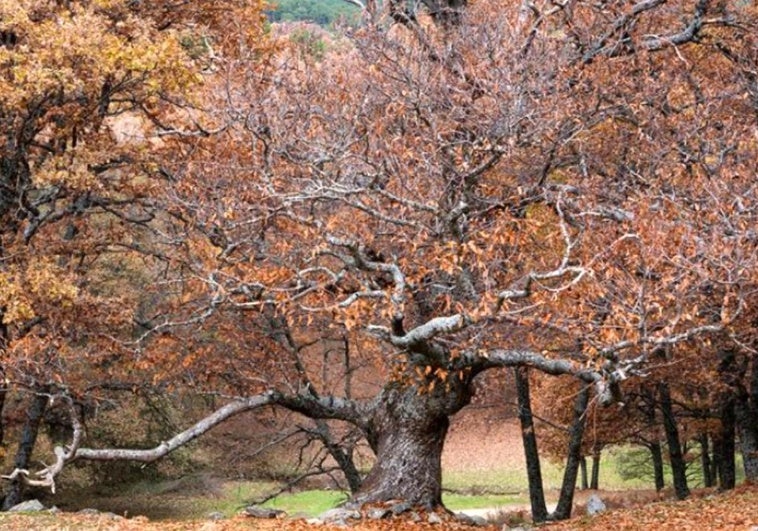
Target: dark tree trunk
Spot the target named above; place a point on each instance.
(583, 473)
(657, 456)
(407, 433)
(3, 395)
(748, 440)
(647, 393)
(342, 455)
(705, 459)
(3, 385)
(678, 466)
(717, 465)
(725, 446)
(595, 481)
(566, 498)
(529, 438)
(13, 495)
(723, 442)
(746, 413)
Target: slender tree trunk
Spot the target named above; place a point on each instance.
(29, 432)
(657, 456)
(583, 473)
(343, 456)
(746, 413)
(407, 433)
(566, 498)
(529, 438)
(717, 460)
(678, 467)
(595, 481)
(647, 393)
(723, 444)
(3, 396)
(705, 459)
(3, 385)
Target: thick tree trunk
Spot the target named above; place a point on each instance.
(748, 423)
(529, 438)
(657, 457)
(13, 495)
(595, 480)
(676, 457)
(407, 434)
(566, 498)
(724, 447)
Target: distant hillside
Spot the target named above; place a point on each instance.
(323, 12)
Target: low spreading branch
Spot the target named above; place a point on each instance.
(325, 408)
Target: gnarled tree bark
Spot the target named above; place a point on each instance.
(407, 433)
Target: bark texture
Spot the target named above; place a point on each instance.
(407, 434)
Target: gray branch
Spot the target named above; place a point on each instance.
(313, 407)
(429, 330)
(164, 448)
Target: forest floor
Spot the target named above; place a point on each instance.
(735, 510)
(484, 475)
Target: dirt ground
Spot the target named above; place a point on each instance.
(481, 438)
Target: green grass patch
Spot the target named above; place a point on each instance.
(314, 502)
(513, 479)
(308, 502)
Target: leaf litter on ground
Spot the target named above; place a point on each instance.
(733, 510)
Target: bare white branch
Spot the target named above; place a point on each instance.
(151, 454)
(430, 329)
